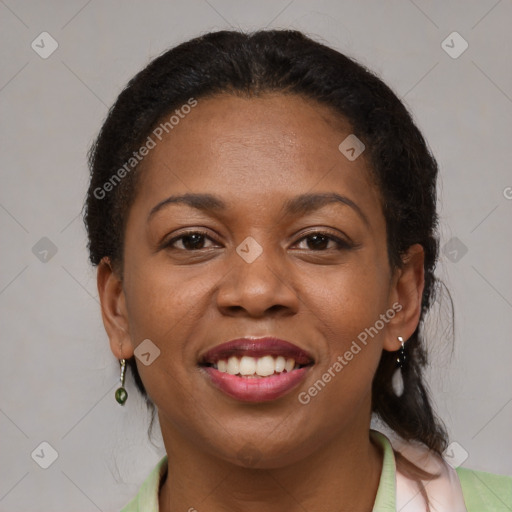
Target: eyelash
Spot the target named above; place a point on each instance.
(341, 244)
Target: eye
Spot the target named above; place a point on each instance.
(320, 240)
(314, 241)
(190, 241)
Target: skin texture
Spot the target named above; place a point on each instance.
(187, 297)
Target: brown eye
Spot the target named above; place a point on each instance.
(190, 241)
(320, 241)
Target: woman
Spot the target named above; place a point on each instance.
(262, 214)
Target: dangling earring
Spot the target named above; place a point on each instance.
(121, 393)
(397, 382)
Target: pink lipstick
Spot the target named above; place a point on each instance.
(256, 369)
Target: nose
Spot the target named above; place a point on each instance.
(257, 289)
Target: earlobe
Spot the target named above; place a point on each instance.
(407, 290)
(113, 310)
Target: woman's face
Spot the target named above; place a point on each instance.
(291, 244)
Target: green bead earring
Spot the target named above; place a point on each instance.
(121, 393)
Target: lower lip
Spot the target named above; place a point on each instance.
(256, 389)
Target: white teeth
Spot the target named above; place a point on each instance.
(265, 366)
(290, 364)
(233, 365)
(247, 365)
(261, 367)
(280, 364)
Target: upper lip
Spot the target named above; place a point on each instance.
(256, 347)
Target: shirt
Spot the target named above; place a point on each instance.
(456, 490)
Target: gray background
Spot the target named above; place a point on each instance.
(58, 375)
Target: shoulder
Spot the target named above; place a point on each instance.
(485, 491)
(147, 497)
(453, 488)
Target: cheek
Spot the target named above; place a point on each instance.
(164, 307)
(350, 298)
(161, 299)
(349, 303)
(341, 384)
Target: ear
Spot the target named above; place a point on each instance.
(406, 291)
(113, 310)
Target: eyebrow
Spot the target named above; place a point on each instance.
(300, 205)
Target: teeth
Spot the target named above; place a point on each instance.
(280, 364)
(265, 366)
(247, 366)
(261, 367)
(233, 365)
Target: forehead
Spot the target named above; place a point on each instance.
(253, 148)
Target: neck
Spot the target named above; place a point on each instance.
(342, 475)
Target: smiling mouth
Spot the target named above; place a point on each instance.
(249, 357)
(256, 369)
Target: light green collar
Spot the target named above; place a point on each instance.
(385, 501)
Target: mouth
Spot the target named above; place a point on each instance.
(256, 370)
